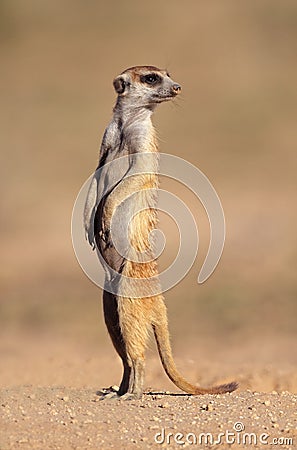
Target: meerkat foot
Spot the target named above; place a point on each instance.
(116, 396)
(110, 396)
(129, 396)
(104, 391)
(109, 392)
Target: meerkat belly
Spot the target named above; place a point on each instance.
(128, 214)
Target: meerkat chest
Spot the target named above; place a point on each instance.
(131, 180)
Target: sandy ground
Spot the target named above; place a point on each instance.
(62, 418)
(50, 399)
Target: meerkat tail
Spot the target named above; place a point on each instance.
(162, 338)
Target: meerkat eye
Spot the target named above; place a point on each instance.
(151, 79)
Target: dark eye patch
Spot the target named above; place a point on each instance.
(151, 79)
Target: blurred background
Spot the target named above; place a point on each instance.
(235, 120)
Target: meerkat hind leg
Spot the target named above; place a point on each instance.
(134, 326)
(136, 381)
(111, 317)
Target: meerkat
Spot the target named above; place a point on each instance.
(129, 319)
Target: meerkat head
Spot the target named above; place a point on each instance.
(145, 86)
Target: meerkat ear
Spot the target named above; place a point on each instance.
(120, 84)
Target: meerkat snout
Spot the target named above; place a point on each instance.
(176, 88)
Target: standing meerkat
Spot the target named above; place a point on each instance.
(128, 317)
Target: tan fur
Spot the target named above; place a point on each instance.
(130, 319)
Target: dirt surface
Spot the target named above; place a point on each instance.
(50, 396)
(63, 418)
